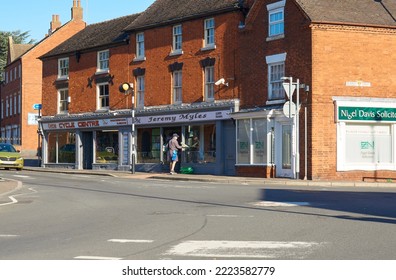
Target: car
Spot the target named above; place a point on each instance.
(10, 157)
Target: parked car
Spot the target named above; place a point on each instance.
(10, 157)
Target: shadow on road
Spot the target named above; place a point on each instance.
(379, 206)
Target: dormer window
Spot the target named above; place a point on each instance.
(103, 61)
(63, 68)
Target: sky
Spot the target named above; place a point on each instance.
(35, 15)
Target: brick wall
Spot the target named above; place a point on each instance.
(341, 54)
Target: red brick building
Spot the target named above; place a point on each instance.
(214, 71)
(22, 86)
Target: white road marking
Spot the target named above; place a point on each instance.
(280, 204)
(229, 216)
(97, 258)
(130, 241)
(14, 200)
(243, 249)
(22, 176)
(8, 235)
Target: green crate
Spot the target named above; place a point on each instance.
(186, 170)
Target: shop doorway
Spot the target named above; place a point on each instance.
(87, 143)
(283, 151)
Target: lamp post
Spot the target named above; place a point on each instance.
(127, 88)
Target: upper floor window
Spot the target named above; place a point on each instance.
(103, 61)
(140, 53)
(63, 68)
(140, 88)
(103, 97)
(177, 87)
(276, 18)
(177, 39)
(63, 101)
(209, 33)
(276, 70)
(209, 83)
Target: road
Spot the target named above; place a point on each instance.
(65, 217)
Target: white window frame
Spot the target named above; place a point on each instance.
(63, 68)
(140, 88)
(140, 46)
(209, 74)
(103, 63)
(63, 101)
(177, 87)
(177, 47)
(276, 8)
(275, 83)
(103, 95)
(209, 34)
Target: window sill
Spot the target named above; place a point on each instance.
(274, 102)
(63, 78)
(139, 59)
(175, 53)
(103, 110)
(208, 48)
(101, 72)
(275, 37)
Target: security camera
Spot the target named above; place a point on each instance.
(221, 82)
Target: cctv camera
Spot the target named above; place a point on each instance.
(221, 82)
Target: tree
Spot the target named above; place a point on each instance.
(18, 37)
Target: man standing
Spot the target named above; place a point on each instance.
(173, 152)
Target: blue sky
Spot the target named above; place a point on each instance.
(35, 15)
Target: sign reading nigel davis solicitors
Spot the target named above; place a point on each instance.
(366, 114)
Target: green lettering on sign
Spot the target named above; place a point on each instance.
(367, 114)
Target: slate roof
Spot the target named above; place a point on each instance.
(362, 12)
(168, 11)
(94, 36)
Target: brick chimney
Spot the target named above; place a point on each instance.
(54, 24)
(77, 10)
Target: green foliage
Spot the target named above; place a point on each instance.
(18, 37)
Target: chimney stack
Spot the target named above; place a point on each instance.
(54, 24)
(77, 11)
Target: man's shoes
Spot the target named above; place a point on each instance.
(173, 173)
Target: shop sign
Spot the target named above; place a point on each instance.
(85, 124)
(366, 114)
(185, 117)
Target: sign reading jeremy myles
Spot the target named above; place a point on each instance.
(366, 114)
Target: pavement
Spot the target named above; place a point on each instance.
(8, 186)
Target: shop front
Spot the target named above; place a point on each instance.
(366, 137)
(265, 143)
(103, 141)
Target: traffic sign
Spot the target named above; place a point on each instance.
(286, 109)
(286, 86)
(37, 106)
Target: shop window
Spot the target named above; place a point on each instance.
(252, 141)
(201, 142)
(61, 147)
(149, 145)
(107, 147)
(368, 144)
